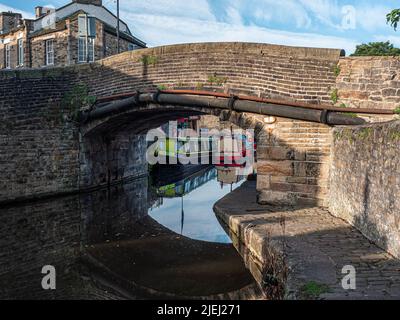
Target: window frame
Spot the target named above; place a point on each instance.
(7, 56)
(49, 53)
(20, 52)
(82, 50)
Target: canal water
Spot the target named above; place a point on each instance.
(149, 238)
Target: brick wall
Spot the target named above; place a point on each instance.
(365, 181)
(369, 82)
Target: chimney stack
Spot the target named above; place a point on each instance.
(9, 21)
(38, 12)
(41, 11)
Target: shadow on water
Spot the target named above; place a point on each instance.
(133, 241)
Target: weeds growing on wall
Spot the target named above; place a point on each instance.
(215, 80)
(149, 60)
(77, 99)
(199, 86)
(336, 70)
(335, 96)
(162, 87)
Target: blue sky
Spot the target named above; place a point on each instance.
(317, 23)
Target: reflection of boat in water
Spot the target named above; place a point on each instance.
(229, 175)
(177, 181)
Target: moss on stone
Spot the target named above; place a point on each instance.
(365, 133)
(344, 134)
(313, 290)
(394, 135)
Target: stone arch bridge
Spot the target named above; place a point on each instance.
(48, 150)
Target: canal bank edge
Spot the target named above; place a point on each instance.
(303, 250)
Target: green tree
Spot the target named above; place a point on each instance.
(376, 49)
(394, 18)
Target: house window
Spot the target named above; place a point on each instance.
(131, 47)
(86, 26)
(85, 54)
(49, 52)
(7, 56)
(20, 46)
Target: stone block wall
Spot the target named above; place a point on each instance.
(365, 181)
(304, 74)
(293, 163)
(110, 158)
(38, 49)
(369, 82)
(39, 144)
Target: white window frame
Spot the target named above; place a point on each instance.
(82, 51)
(7, 57)
(49, 52)
(20, 49)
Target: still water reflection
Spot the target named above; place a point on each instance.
(138, 240)
(188, 210)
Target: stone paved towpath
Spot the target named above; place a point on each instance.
(316, 247)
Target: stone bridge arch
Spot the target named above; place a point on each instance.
(113, 148)
(293, 155)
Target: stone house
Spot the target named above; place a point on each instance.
(79, 32)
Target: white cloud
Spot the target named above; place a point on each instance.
(196, 9)
(263, 12)
(153, 29)
(372, 17)
(393, 39)
(162, 22)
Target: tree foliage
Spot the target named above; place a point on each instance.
(376, 49)
(393, 18)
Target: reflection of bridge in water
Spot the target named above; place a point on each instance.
(108, 239)
(178, 181)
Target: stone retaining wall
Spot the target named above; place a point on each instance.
(369, 82)
(365, 181)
